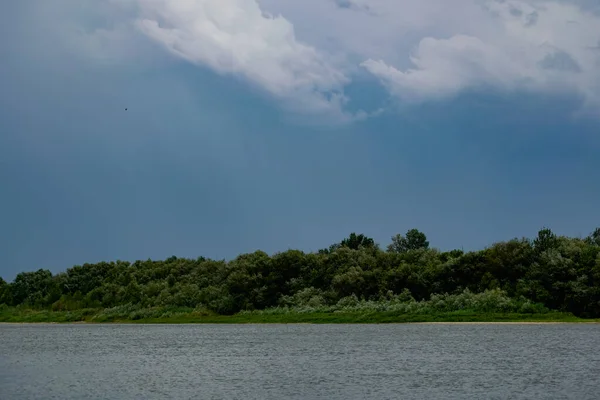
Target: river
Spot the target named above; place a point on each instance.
(404, 361)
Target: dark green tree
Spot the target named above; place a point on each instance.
(413, 240)
(355, 241)
(594, 237)
(32, 287)
(4, 288)
(559, 272)
(545, 240)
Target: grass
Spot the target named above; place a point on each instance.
(307, 306)
(179, 316)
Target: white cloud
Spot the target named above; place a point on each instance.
(236, 37)
(445, 66)
(543, 46)
(433, 49)
(304, 53)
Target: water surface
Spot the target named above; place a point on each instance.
(405, 361)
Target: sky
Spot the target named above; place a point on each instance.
(277, 124)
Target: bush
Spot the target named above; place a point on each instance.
(490, 301)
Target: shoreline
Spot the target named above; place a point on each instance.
(214, 322)
(190, 316)
(306, 323)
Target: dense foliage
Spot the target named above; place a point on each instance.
(520, 275)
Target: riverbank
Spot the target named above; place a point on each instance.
(181, 317)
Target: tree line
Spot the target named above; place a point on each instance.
(562, 273)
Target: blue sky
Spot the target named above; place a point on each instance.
(235, 138)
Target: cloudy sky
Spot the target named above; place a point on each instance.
(275, 124)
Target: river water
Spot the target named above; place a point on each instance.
(405, 361)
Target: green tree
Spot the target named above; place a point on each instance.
(355, 241)
(508, 261)
(413, 240)
(4, 288)
(545, 240)
(594, 237)
(32, 287)
(561, 273)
